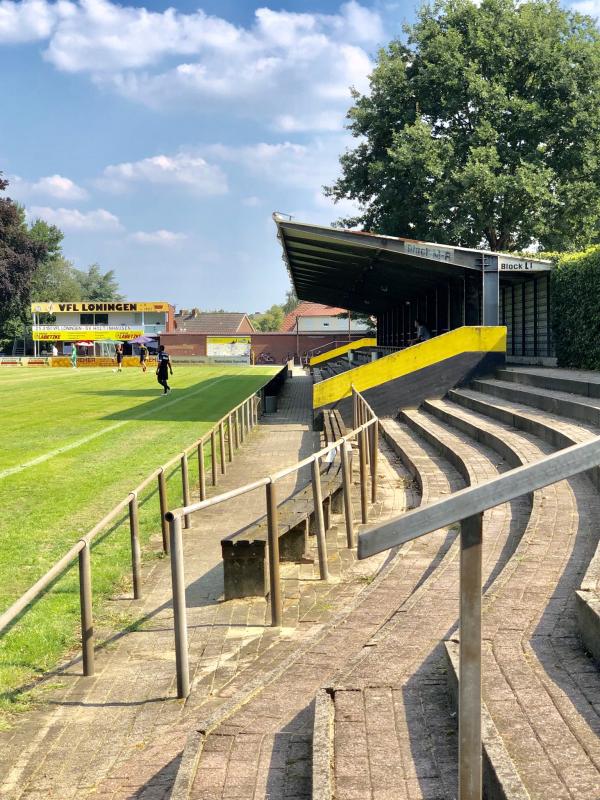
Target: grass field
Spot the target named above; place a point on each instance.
(74, 443)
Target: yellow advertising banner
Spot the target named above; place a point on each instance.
(229, 340)
(83, 335)
(86, 307)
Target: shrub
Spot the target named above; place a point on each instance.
(575, 309)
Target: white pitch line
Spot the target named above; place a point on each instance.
(47, 456)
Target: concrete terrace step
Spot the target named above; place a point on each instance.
(540, 686)
(260, 745)
(575, 381)
(585, 409)
(559, 432)
(393, 731)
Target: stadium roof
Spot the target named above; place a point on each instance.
(372, 273)
(226, 324)
(308, 309)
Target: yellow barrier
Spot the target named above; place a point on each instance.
(477, 339)
(100, 361)
(339, 351)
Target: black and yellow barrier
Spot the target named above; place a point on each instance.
(427, 369)
(336, 352)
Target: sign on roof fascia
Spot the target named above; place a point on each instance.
(460, 256)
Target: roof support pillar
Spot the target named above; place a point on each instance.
(491, 291)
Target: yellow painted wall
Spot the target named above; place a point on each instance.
(100, 361)
(339, 351)
(476, 339)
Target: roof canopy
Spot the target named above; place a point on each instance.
(371, 273)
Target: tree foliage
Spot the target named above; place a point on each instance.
(33, 267)
(272, 318)
(483, 128)
(97, 285)
(269, 320)
(20, 253)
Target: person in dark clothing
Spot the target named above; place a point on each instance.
(143, 357)
(163, 369)
(119, 355)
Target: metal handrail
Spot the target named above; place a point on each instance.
(366, 431)
(248, 410)
(476, 499)
(467, 506)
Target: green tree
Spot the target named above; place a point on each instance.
(270, 320)
(483, 128)
(97, 285)
(19, 256)
(291, 302)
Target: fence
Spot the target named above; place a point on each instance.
(467, 507)
(366, 432)
(233, 428)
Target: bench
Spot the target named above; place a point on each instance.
(245, 552)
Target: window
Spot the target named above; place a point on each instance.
(93, 319)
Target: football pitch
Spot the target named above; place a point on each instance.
(74, 443)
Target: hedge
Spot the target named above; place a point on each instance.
(575, 308)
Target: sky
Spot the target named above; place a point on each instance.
(161, 138)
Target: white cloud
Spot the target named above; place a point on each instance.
(28, 21)
(252, 201)
(303, 166)
(294, 69)
(160, 237)
(191, 172)
(56, 186)
(73, 220)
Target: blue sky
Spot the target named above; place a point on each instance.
(161, 139)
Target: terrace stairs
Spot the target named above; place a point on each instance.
(367, 710)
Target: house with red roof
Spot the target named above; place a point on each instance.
(318, 318)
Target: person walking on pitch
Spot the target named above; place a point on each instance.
(143, 357)
(74, 356)
(119, 355)
(163, 369)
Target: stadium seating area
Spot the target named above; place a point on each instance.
(541, 606)
(385, 723)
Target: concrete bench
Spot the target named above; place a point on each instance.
(245, 552)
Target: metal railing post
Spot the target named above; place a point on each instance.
(164, 507)
(230, 438)
(354, 410)
(201, 471)
(274, 576)
(374, 459)
(320, 520)
(213, 456)
(362, 453)
(185, 485)
(236, 415)
(85, 605)
(179, 608)
(136, 556)
(222, 446)
(240, 415)
(347, 484)
(469, 687)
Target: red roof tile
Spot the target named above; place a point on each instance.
(308, 309)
